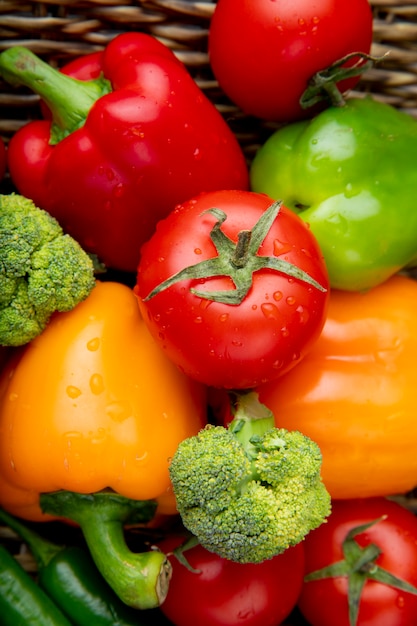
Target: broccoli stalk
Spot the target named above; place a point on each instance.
(250, 491)
(42, 270)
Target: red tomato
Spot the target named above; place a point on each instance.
(324, 602)
(225, 593)
(234, 346)
(3, 158)
(263, 52)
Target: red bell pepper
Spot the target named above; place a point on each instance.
(131, 136)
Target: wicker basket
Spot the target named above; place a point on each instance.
(59, 30)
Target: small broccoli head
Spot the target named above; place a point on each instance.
(199, 480)
(249, 508)
(42, 270)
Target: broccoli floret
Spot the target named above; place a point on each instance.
(42, 270)
(250, 491)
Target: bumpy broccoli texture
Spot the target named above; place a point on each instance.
(249, 497)
(42, 270)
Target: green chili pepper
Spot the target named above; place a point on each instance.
(22, 601)
(69, 576)
(350, 173)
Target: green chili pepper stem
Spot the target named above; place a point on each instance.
(69, 99)
(42, 549)
(22, 601)
(140, 580)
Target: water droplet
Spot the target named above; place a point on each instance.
(285, 332)
(98, 436)
(303, 314)
(223, 317)
(277, 364)
(270, 311)
(117, 411)
(400, 602)
(315, 19)
(236, 343)
(198, 319)
(137, 131)
(197, 154)
(301, 21)
(277, 295)
(281, 247)
(254, 307)
(349, 190)
(96, 384)
(93, 344)
(118, 190)
(140, 458)
(197, 251)
(73, 392)
(290, 300)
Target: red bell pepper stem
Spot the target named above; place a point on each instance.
(69, 99)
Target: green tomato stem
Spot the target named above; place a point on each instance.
(140, 580)
(358, 566)
(239, 261)
(43, 550)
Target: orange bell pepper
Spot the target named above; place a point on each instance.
(93, 403)
(355, 392)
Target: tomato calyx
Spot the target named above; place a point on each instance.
(358, 566)
(189, 542)
(238, 261)
(323, 85)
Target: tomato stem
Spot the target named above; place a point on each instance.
(237, 260)
(240, 256)
(323, 85)
(358, 566)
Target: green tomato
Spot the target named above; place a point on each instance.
(351, 174)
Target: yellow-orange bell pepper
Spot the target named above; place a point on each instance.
(93, 403)
(355, 393)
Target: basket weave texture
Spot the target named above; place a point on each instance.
(60, 30)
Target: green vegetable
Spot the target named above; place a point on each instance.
(250, 491)
(42, 270)
(22, 602)
(69, 576)
(140, 579)
(350, 173)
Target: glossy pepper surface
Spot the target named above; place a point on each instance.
(350, 173)
(93, 403)
(354, 394)
(131, 137)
